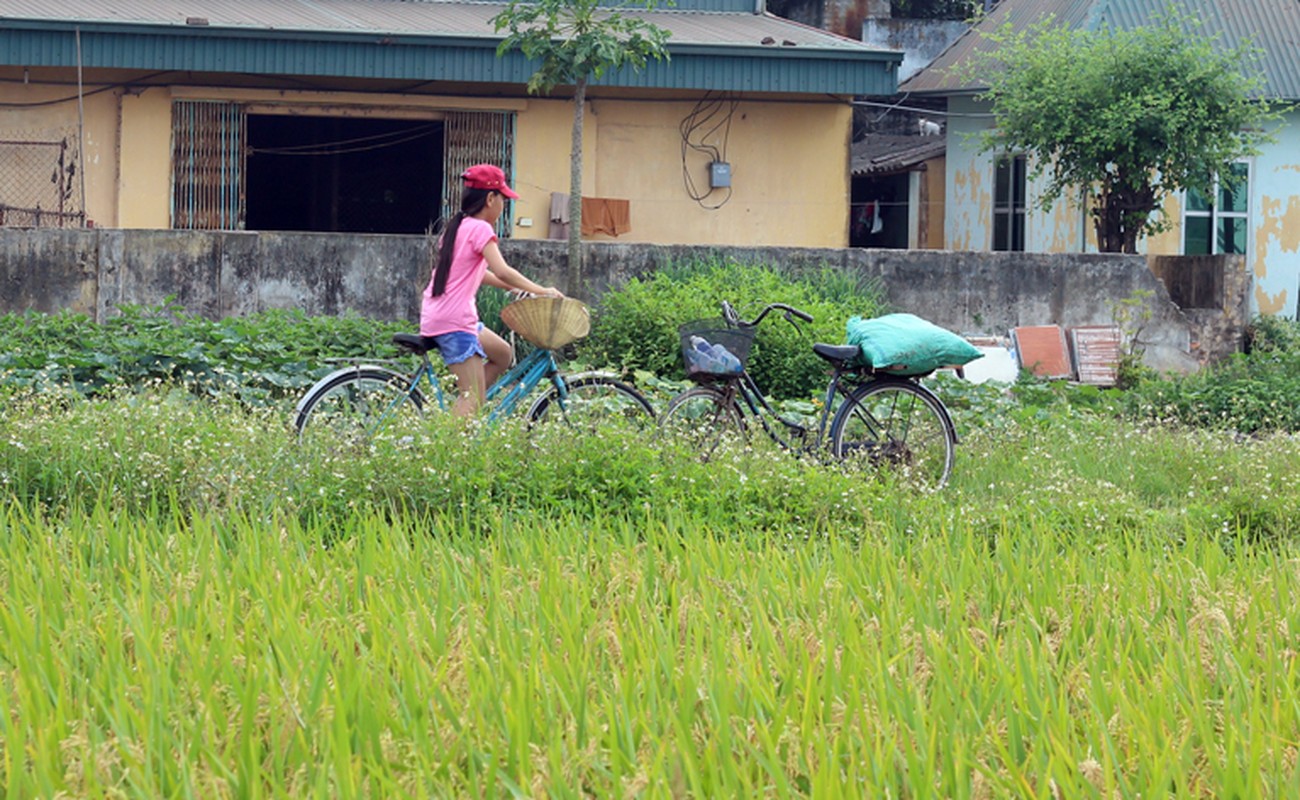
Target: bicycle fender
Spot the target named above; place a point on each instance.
(336, 373)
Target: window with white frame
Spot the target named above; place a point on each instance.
(1219, 224)
(1009, 203)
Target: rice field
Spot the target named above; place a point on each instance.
(189, 608)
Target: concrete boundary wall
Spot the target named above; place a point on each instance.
(217, 274)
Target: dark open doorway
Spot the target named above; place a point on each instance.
(878, 214)
(343, 174)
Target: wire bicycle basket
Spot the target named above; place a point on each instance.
(712, 350)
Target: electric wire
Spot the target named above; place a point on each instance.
(930, 111)
(711, 117)
(73, 97)
(361, 144)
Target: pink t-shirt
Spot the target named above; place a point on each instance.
(456, 309)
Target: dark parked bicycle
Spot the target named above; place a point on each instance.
(879, 420)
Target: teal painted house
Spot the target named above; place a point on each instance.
(986, 207)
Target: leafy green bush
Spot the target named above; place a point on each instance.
(636, 326)
(255, 357)
(1249, 392)
(1273, 334)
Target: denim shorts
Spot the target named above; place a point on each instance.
(457, 346)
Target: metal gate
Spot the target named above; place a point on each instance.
(208, 161)
(478, 137)
(37, 186)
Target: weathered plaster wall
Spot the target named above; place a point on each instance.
(146, 156)
(1214, 292)
(789, 169)
(230, 273)
(844, 17)
(41, 105)
(919, 39)
(1274, 247)
(968, 222)
(968, 201)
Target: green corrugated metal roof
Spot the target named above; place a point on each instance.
(1271, 25)
(427, 41)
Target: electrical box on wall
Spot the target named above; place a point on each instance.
(719, 175)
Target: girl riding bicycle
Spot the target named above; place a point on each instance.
(467, 257)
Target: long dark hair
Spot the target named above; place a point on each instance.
(471, 202)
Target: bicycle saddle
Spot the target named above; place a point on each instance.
(413, 342)
(840, 354)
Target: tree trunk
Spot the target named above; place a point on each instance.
(573, 286)
(1120, 217)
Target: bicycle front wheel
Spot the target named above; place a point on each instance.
(896, 425)
(593, 402)
(704, 420)
(352, 408)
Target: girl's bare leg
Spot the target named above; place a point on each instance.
(499, 353)
(471, 385)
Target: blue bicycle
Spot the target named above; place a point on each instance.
(367, 400)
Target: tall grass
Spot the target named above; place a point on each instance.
(190, 606)
(152, 655)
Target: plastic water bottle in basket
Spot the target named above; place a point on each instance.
(711, 350)
(728, 362)
(700, 356)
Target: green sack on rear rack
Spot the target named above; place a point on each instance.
(905, 344)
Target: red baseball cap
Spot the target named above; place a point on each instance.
(488, 176)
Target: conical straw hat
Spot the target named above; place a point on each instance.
(548, 322)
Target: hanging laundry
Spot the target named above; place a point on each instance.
(559, 218)
(605, 215)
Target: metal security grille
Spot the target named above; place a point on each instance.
(37, 186)
(208, 160)
(478, 137)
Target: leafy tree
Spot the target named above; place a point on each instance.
(1129, 116)
(576, 41)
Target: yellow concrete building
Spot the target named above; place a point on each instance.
(358, 115)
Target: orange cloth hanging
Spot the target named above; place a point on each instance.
(605, 215)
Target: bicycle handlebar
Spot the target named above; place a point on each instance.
(733, 318)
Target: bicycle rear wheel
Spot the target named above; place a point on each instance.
(353, 408)
(590, 403)
(899, 426)
(705, 420)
